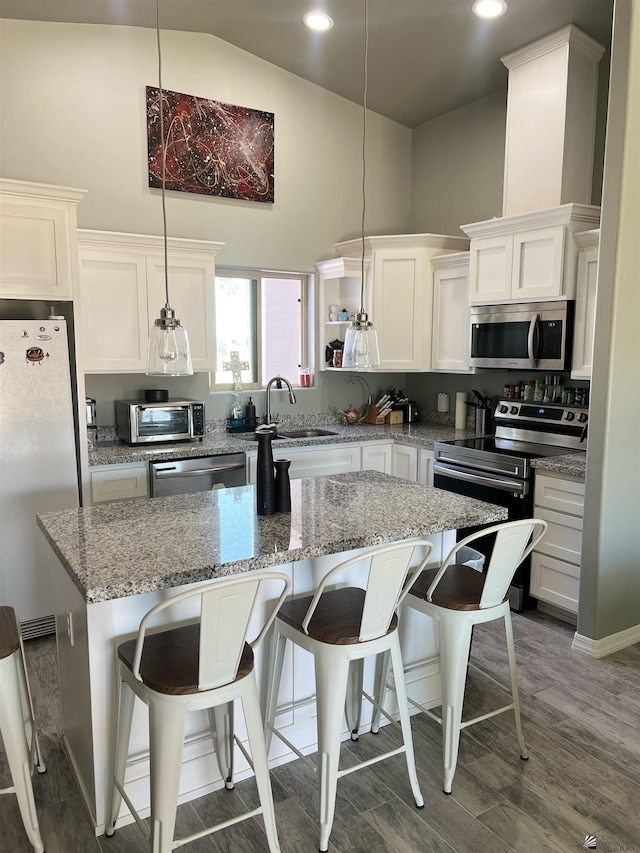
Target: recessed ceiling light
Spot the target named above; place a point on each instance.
(489, 8)
(318, 21)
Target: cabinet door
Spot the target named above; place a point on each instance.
(311, 461)
(401, 294)
(405, 462)
(451, 329)
(585, 317)
(191, 295)
(490, 268)
(560, 494)
(35, 259)
(563, 537)
(119, 482)
(555, 581)
(377, 457)
(425, 467)
(115, 326)
(538, 262)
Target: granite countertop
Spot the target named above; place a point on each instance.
(572, 464)
(217, 443)
(131, 547)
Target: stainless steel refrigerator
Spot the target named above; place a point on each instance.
(38, 468)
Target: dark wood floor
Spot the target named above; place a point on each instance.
(581, 722)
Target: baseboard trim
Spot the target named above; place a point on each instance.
(607, 645)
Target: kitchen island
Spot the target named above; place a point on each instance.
(116, 561)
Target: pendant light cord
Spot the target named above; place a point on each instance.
(364, 139)
(164, 156)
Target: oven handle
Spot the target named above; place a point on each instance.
(469, 464)
(520, 487)
(532, 341)
(159, 473)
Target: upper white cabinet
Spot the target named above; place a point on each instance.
(527, 258)
(38, 248)
(123, 290)
(585, 315)
(398, 294)
(451, 329)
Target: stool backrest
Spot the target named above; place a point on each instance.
(514, 541)
(389, 579)
(226, 608)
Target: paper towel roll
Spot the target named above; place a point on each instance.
(461, 410)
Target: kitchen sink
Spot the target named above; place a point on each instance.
(294, 433)
(306, 433)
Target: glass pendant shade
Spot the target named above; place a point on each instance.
(169, 353)
(361, 345)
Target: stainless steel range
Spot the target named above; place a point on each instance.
(497, 468)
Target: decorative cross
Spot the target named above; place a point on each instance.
(235, 366)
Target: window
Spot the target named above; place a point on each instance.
(262, 316)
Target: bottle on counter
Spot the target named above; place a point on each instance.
(529, 391)
(283, 485)
(538, 394)
(250, 413)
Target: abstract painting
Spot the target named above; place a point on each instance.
(211, 147)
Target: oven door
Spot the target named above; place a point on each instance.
(509, 492)
(162, 423)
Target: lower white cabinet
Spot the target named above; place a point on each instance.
(377, 457)
(405, 462)
(425, 467)
(555, 564)
(311, 461)
(119, 482)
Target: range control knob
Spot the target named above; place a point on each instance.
(582, 417)
(569, 416)
(504, 409)
(514, 410)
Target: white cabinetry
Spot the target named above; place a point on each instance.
(311, 461)
(585, 315)
(119, 482)
(398, 294)
(451, 329)
(377, 457)
(38, 243)
(555, 564)
(405, 462)
(122, 286)
(425, 467)
(527, 258)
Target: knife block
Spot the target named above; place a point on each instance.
(373, 416)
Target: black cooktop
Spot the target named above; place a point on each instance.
(509, 447)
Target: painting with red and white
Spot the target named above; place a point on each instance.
(210, 147)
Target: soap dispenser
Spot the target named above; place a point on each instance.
(250, 413)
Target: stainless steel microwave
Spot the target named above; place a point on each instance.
(145, 423)
(527, 336)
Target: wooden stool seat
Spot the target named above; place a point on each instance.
(336, 620)
(171, 659)
(460, 587)
(9, 636)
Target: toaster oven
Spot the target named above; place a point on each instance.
(148, 423)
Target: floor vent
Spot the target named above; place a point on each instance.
(41, 627)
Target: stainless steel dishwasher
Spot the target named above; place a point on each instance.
(185, 476)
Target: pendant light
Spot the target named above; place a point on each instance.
(169, 353)
(361, 340)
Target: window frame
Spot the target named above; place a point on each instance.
(257, 276)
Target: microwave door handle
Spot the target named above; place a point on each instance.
(532, 341)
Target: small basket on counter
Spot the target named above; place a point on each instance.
(241, 425)
(355, 414)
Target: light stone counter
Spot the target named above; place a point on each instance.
(217, 443)
(123, 549)
(571, 464)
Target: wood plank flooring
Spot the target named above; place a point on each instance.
(581, 720)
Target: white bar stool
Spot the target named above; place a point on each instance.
(17, 724)
(340, 627)
(459, 597)
(201, 666)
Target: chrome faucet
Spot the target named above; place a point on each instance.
(278, 382)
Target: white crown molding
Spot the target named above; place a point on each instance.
(349, 248)
(454, 259)
(585, 239)
(342, 267)
(607, 645)
(565, 214)
(569, 36)
(28, 189)
(118, 240)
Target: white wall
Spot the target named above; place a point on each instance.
(458, 165)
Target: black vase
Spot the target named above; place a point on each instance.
(283, 485)
(265, 484)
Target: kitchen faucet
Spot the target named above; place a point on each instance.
(278, 381)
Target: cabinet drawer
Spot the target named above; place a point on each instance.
(563, 538)
(559, 494)
(118, 484)
(555, 581)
